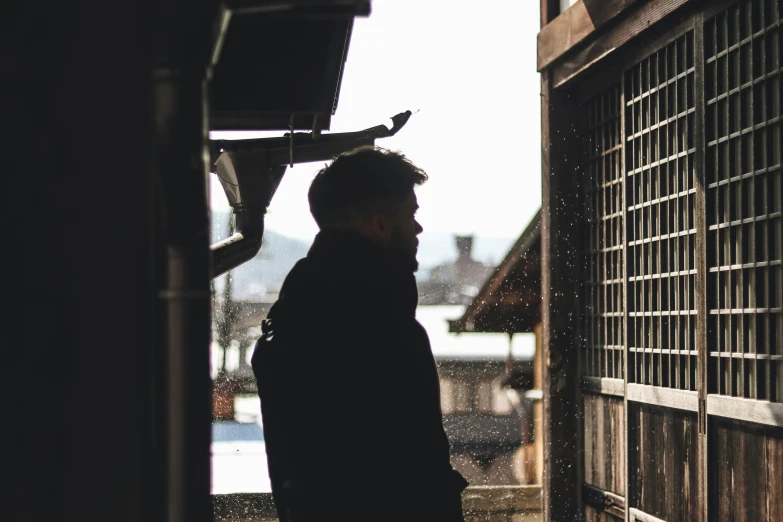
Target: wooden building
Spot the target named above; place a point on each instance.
(661, 260)
(510, 302)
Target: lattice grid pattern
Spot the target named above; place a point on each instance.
(660, 113)
(604, 355)
(743, 175)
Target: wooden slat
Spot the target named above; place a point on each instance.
(574, 25)
(602, 455)
(665, 397)
(603, 386)
(637, 21)
(748, 410)
(746, 483)
(589, 442)
(662, 457)
(604, 443)
(774, 476)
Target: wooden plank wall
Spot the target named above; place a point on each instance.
(604, 446)
(663, 463)
(746, 472)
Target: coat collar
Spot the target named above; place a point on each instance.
(355, 258)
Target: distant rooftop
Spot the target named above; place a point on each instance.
(470, 346)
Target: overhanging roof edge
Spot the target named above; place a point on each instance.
(526, 240)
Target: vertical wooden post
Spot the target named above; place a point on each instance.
(701, 266)
(538, 411)
(560, 220)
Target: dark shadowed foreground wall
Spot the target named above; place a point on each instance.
(83, 364)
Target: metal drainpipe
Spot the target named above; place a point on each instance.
(180, 132)
(180, 138)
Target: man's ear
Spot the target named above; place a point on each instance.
(381, 228)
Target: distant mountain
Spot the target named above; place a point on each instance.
(266, 272)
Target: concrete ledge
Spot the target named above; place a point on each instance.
(501, 499)
(480, 503)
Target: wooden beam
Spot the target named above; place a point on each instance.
(747, 410)
(603, 386)
(633, 24)
(665, 397)
(574, 25)
(560, 228)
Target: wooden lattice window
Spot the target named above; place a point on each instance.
(604, 355)
(660, 116)
(743, 176)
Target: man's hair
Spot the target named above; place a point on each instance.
(359, 183)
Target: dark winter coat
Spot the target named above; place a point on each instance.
(350, 393)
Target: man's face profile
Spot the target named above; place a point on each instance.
(404, 231)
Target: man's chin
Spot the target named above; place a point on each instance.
(414, 262)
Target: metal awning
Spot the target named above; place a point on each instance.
(281, 64)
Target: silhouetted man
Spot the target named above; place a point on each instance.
(348, 385)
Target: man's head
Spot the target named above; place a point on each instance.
(370, 191)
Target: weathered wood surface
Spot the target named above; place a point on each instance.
(759, 412)
(603, 386)
(663, 463)
(604, 446)
(746, 472)
(574, 25)
(560, 229)
(637, 21)
(665, 397)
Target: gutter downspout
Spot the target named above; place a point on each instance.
(251, 170)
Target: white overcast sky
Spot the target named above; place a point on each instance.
(469, 68)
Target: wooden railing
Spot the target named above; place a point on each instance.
(480, 503)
